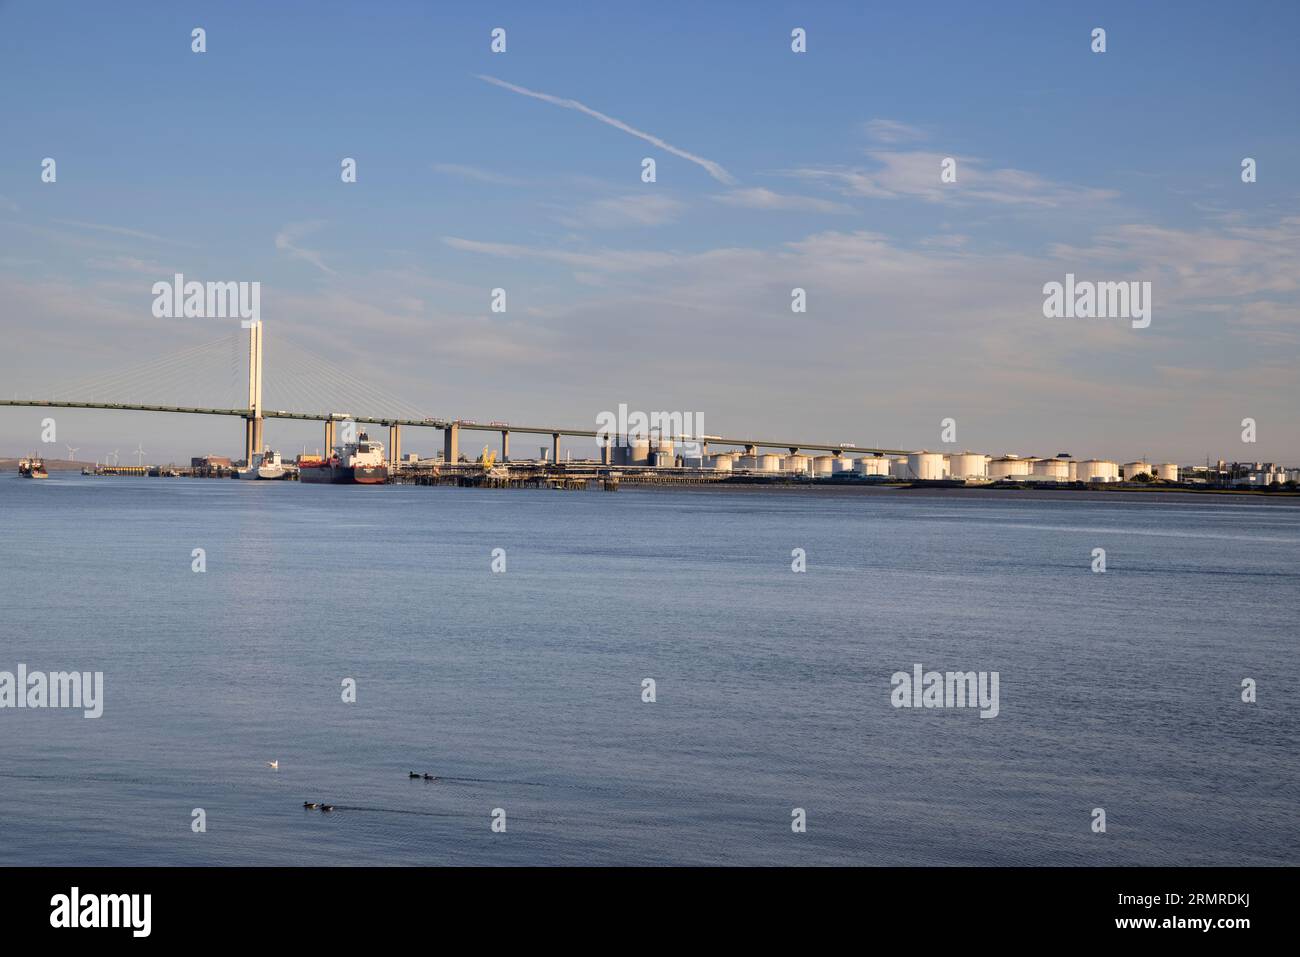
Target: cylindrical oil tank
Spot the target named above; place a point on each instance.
(769, 462)
(749, 462)
(1167, 472)
(926, 466)
(636, 452)
(798, 463)
(721, 463)
(842, 463)
(1007, 466)
(823, 465)
(1055, 469)
(1134, 469)
(967, 465)
(662, 459)
(898, 468)
(872, 465)
(1098, 470)
(1074, 470)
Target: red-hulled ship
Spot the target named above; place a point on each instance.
(360, 462)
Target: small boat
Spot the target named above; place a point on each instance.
(266, 465)
(36, 468)
(24, 467)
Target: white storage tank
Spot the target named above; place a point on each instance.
(1167, 472)
(898, 468)
(1008, 466)
(872, 465)
(636, 452)
(1057, 470)
(798, 463)
(1074, 470)
(721, 463)
(967, 465)
(748, 462)
(926, 466)
(823, 465)
(842, 463)
(1133, 469)
(769, 462)
(1098, 470)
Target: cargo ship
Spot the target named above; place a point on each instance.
(360, 462)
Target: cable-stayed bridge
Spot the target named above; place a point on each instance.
(230, 377)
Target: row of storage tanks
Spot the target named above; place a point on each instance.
(925, 466)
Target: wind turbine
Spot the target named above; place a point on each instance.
(72, 453)
(115, 458)
(139, 450)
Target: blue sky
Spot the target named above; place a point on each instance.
(924, 300)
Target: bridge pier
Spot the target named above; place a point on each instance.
(555, 447)
(451, 443)
(329, 438)
(505, 445)
(253, 437)
(394, 445)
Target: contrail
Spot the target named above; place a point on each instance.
(712, 168)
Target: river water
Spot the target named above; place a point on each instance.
(522, 690)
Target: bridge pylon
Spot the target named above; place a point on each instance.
(253, 422)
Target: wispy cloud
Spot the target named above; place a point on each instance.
(631, 209)
(914, 174)
(713, 169)
(115, 230)
(476, 174)
(286, 240)
(760, 198)
(892, 131)
(129, 264)
(605, 260)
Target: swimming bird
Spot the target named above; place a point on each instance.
(274, 764)
(327, 807)
(310, 804)
(413, 774)
(430, 777)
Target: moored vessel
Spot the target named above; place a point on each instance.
(360, 463)
(265, 465)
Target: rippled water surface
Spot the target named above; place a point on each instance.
(522, 690)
